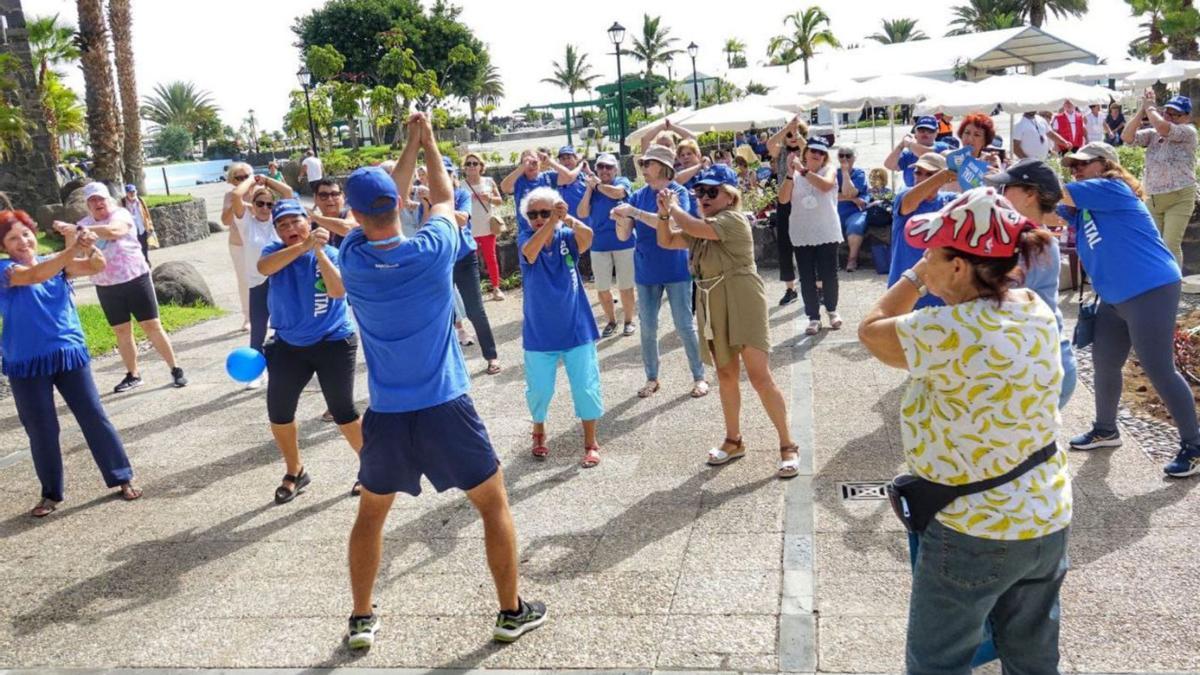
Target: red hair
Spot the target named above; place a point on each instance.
(8, 219)
(983, 122)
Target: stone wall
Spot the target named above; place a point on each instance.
(177, 224)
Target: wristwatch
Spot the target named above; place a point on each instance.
(664, 216)
(915, 281)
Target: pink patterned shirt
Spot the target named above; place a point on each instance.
(123, 255)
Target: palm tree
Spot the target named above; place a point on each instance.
(654, 45)
(104, 130)
(14, 127)
(896, 31)
(810, 30)
(51, 44)
(1153, 43)
(733, 47)
(979, 16)
(120, 21)
(488, 88)
(573, 74)
(1035, 10)
(179, 103)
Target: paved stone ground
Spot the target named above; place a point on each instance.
(650, 561)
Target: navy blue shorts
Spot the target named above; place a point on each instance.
(447, 444)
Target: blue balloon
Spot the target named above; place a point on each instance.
(245, 364)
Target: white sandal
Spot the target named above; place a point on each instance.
(789, 468)
(835, 321)
(717, 456)
(814, 327)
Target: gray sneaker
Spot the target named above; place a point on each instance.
(361, 634)
(509, 627)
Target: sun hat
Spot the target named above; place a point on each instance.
(1091, 151)
(96, 189)
(1181, 104)
(979, 222)
(1028, 171)
(931, 161)
(367, 186)
(661, 154)
(286, 207)
(926, 122)
(717, 174)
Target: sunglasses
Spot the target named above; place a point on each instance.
(264, 205)
(471, 163)
(844, 155)
(241, 177)
(536, 214)
(329, 195)
(707, 191)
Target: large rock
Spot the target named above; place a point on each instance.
(180, 223)
(214, 227)
(179, 283)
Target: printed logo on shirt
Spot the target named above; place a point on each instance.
(1089, 229)
(321, 298)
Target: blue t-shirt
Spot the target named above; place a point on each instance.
(462, 202)
(1118, 244)
(524, 186)
(859, 178)
(403, 301)
(572, 193)
(694, 207)
(41, 334)
(604, 228)
(558, 315)
(908, 158)
(904, 256)
(653, 264)
(302, 312)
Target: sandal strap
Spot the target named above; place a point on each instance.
(734, 442)
(292, 479)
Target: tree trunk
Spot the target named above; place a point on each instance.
(398, 139)
(806, 70)
(1183, 46)
(104, 133)
(1037, 13)
(120, 21)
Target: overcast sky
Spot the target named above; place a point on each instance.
(253, 65)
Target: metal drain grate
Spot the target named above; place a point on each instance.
(863, 490)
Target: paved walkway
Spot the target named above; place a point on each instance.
(650, 561)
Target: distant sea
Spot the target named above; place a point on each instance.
(185, 175)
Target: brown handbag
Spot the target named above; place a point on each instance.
(496, 223)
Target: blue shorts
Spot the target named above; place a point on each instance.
(447, 444)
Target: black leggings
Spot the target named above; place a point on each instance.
(466, 280)
(290, 368)
(260, 314)
(783, 242)
(818, 262)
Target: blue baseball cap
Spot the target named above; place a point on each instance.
(926, 122)
(818, 144)
(130, 187)
(717, 174)
(449, 164)
(567, 150)
(366, 189)
(1181, 104)
(286, 207)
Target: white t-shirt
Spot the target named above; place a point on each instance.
(1093, 123)
(814, 218)
(480, 227)
(1033, 132)
(312, 168)
(256, 234)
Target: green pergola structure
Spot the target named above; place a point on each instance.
(609, 105)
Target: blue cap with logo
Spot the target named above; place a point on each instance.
(566, 150)
(286, 207)
(717, 174)
(926, 122)
(818, 145)
(449, 164)
(368, 188)
(1181, 104)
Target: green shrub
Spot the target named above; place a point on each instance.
(712, 138)
(1133, 158)
(507, 283)
(152, 201)
(74, 155)
(174, 142)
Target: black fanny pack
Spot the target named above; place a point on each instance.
(917, 500)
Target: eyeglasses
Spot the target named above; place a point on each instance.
(539, 214)
(707, 191)
(471, 162)
(329, 195)
(264, 205)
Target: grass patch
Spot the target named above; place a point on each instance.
(101, 339)
(152, 201)
(48, 244)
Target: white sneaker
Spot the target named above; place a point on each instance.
(835, 321)
(814, 327)
(464, 338)
(257, 382)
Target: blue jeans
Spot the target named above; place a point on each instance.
(960, 582)
(34, 397)
(649, 300)
(1070, 376)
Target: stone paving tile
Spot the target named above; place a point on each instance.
(727, 592)
(857, 644)
(741, 642)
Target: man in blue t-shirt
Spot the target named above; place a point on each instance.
(923, 139)
(524, 178)
(659, 270)
(570, 175)
(609, 254)
(421, 422)
(925, 197)
(313, 336)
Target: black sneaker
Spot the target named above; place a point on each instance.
(609, 329)
(1096, 439)
(131, 381)
(361, 633)
(509, 627)
(177, 376)
(789, 296)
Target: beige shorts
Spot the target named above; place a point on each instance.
(605, 262)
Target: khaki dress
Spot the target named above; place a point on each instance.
(731, 301)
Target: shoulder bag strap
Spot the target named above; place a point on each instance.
(1021, 469)
(478, 198)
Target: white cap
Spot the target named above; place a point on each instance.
(606, 159)
(96, 189)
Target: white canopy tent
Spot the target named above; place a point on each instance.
(735, 116)
(1166, 72)
(1090, 72)
(1015, 94)
(635, 137)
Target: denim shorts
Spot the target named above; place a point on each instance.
(446, 443)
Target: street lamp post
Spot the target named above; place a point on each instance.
(692, 50)
(616, 33)
(305, 78)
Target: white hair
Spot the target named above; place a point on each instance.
(388, 165)
(547, 194)
(848, 148)
(235, 167)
